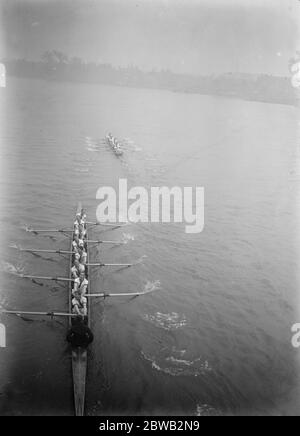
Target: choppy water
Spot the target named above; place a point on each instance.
(215, 339)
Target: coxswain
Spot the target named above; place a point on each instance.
(80, 335)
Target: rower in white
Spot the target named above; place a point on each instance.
(81, 242)
(75, 243)
(77, 269)
(83, 257)
(79, 304)
(80, 284)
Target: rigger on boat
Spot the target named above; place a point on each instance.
(79, 333)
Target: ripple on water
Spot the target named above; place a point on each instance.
(175, 367)
(167, 321)
(206, 410)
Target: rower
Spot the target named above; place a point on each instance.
(83, 258)
(83, 221)
(80, 284)
(77, 255)
(80, 335)
(77, 269)
(75, 243)
(81, 242)
(79, 304)
(77, 219)
(82, 231)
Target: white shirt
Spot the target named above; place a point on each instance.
(81, 268)
(80, 286)
(74, 271)
(80, 304)
(77, 256)
(83, 233)
(83, 257)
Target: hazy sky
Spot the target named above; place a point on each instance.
(194, 36)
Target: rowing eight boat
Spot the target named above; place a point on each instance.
(79, 354)
(116, 148)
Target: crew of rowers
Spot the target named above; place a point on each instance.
(114, 143)
(79, 270)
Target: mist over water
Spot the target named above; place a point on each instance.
(215, 337)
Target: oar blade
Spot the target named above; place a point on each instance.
(2, 336)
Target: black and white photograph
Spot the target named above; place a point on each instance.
(149, 199)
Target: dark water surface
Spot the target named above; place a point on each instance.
(215, 339)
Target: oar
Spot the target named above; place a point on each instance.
(56, 279)
(106, 242)
(33, 250)
(21, 312)
(123, 294)
(98, 223)
(109, 264)
(49, 230)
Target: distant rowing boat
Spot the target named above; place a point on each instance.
(115, 145)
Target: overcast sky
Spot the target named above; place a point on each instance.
(193, 36)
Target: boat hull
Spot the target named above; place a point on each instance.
(118, 152)
(79, 355)
(79, 368)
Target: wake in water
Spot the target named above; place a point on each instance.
(129, 144)
(140, 260)
(127, 237)
(92, 144)
(11, 269)
(206, 410)
(167, 321)
(152, 286)
(170, 365)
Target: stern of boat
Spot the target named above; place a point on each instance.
(79, 365)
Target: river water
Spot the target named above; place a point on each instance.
(215, 338)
